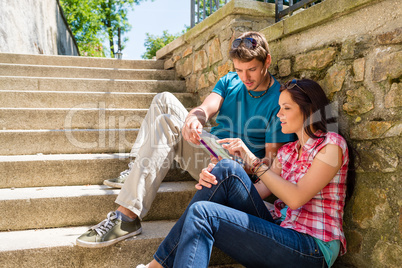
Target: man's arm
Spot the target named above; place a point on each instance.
(199, 116)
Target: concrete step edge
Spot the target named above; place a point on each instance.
(90, 84)
(66, 237)
(81, 67)
(76, 60)
(32, 193)
(82, 99)
(60, 157)
(85, 72)
(87, 79)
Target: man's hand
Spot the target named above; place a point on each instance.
(192, 129)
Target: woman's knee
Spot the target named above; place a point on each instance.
(200, 209)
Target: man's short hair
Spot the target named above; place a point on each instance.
(242, 53)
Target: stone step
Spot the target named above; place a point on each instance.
(84, 72)
(49, 207)
(69, 169)
(56, 248)
(94, 85)
(81, 99)
(63, 118)
(12, 58)
(75, 141)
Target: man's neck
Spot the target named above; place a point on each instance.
(265, 84)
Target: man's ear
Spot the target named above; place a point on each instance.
(268, 61)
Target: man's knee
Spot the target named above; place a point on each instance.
(226, 168)
(164, 97)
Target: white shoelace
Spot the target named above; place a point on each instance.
(105, 225)
(127, 171)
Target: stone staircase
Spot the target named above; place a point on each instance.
(67, 124)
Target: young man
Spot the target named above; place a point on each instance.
(247, 102)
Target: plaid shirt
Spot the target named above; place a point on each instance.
(321, 217)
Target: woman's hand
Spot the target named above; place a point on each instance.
(237, 147)
(206, 178)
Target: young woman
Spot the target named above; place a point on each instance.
(309, 177)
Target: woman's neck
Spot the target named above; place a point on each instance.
(303, 137)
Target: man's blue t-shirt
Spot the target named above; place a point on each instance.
(253, 120)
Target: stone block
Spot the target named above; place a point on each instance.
(334, 79)
(387, 65)
(392, 37)
(202, 82)
(184, 67)
(348, 49)
(187, 52)
(369, 204)
(212, 78)
(200, 60)
(369, 130)
(214, 51)
(285, 67)
(358, 69)
(393, 98)
(354, 240)
(273, 32)
(191, 83)
(394, 131)
(314, 60)
(225, 68)
(170, 63)
(359, 101)
(376, 159)
(387, 254)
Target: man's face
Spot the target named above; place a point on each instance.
(254, 74)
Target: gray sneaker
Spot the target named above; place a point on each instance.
(109, 232)
(119, 181)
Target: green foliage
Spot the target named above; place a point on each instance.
(154, 43)
(94, 21)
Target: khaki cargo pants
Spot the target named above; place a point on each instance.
(158, 143)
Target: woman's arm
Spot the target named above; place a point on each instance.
(323, 169)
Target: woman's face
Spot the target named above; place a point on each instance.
(290, 114)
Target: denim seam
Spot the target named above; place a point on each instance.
(161, 262)
(196, 246)
(276, 241)
(168, 255)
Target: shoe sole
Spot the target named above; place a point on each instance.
(113, 184)
(106, 243)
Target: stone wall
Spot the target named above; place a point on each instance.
(35, 27)
(354, 50)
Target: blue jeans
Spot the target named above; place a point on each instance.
(232, 216)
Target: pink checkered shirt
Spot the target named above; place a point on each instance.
(321, 217)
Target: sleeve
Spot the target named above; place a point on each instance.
(221, 87)
(335, 139)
